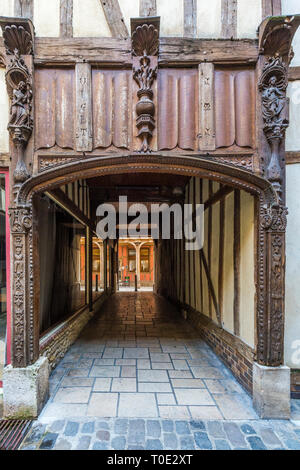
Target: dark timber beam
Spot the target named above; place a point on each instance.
(114, 18)
(218, 196)
(271, 8)
(229, 19)
(190, 18)
(66, 18)
(173, 51)
(24, 8)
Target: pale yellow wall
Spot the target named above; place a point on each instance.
(4, 112)
(247, 281)
(171, 17)
(290, 7)
(214, 270)
(209, 18)
(129, 9)
(89, 21)
(249, 17)
(46, 17)
(292, 305)
(197, 255)
(228, 272)
(205, 193)
(293, 134)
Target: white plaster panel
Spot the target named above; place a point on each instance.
(89, 21)
(292, 133)
(6, 9)
(249, 17)
(247, 283)
(209, 19)
(129, 9)
(292, 7)
(228, 270)
(4, 112)
(292, 304)
(171, 17)
(46, 17)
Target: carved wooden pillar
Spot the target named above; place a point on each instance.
(275, 38)
(18, 42)
(145, 44)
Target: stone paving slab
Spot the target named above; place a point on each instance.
(120, 377)
(161, 434)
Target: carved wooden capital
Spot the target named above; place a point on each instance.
(274, 218)
(20, 219)
(276, 34)
(145, 36)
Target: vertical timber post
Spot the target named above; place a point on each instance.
(27, 374)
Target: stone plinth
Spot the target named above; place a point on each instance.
(25, 390)
(271, 391)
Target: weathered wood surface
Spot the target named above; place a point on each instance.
(114, 18)
(148, 8)
(207, 137)
(24, 8)
(95, 50)
(66, 18)
(193, 51)
(83, 118)
(173, 51)
(229, 19)
(294, 73)
(271, 8)
(292, 157)
(190, 18)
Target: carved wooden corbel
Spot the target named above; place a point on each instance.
(18, 41)
(145, 44)
(272, 85)
(275, 44)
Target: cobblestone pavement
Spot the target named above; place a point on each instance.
(139, 377)
(162, 434)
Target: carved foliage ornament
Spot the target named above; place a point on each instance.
(21, 223)
(145, 40)
(274, 218)
(272, 85)
(145, 43)
(16, 37)
(271, 251)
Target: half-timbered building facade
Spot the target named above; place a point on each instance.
(163, 101)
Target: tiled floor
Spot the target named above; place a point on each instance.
(139, 359)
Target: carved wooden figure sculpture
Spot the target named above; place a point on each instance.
(145, 44)
(18, 42)
(273, 84)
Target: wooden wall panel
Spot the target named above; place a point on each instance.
(44, 108)
(235, 107)
(111, 93)
(177, 110)
(54, 108)
(83, 117)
